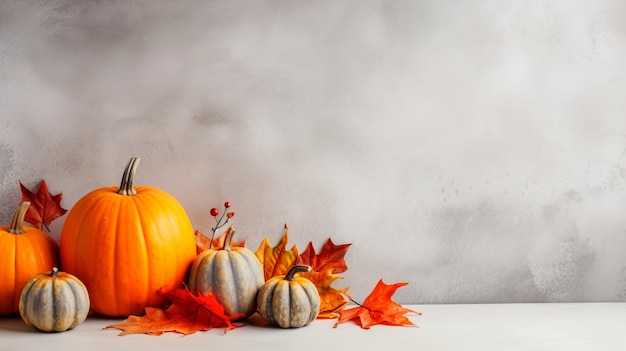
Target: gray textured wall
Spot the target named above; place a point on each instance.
(472, 148)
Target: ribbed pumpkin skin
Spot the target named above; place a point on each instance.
(124, 248)
(54, 304)
(288, 303)
(21, 257)
(233, 276)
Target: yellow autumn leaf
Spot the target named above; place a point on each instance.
(277, 260)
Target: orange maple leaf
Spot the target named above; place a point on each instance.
(331, 300)
(44, 207)
(277, 260)
(203, 242)
(187, 314)
(330, 256)
(378, 308)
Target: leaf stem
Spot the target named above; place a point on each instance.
(358, 304)
(365, 307)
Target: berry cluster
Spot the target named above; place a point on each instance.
(220, 222)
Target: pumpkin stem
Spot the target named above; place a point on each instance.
(228, 239)
(296, 268)
(17, 222)
(126, 186)
(55, 272)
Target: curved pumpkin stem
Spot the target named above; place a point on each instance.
(17, 222)
(228, 239)
(55, 272)
(296, 268)
(126, 186)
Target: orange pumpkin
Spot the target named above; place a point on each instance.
(125, 243)
(24, 252)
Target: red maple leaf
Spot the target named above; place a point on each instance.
(44, 207)
(378, 308)
(187, 314)
(331, 256)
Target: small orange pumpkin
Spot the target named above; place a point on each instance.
(24, 252)
(125, 243)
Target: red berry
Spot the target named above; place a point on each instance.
(214, 212)
(226, 204)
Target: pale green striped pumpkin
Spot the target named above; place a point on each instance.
(289, 301)
(232, 274)
(54, 301)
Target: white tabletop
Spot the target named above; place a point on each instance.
(485, 327)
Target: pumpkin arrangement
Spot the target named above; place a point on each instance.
(131, 251)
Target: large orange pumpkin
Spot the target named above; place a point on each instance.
(125, 243)
(24, 252)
